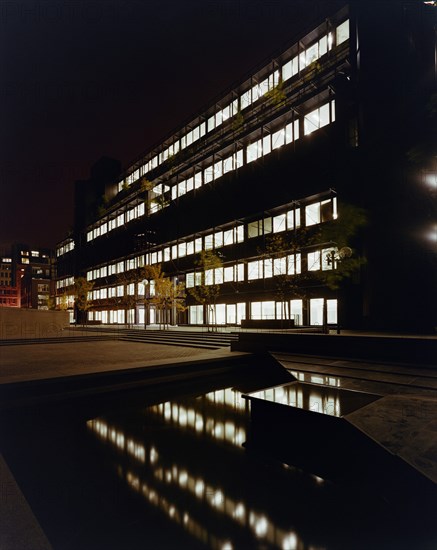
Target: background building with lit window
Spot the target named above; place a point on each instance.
(34, 268)
(338, 117)
(10, 293)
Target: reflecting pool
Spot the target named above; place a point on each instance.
(170, 470)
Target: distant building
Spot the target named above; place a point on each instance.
(33, 269)
(10, 293)
(338, 117)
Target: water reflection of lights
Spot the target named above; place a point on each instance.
(212, 496)
(259, 524)
(303, 397)
(227, 431)
(290, 542)
(323, 380)
(227, 397)
(181, 517)
(135, 449)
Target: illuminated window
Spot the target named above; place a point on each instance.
(196, 315)
(228, 237)
(182, 249)
(318, 118)
(209, 242)
(255, 270)
(313, 259)
(342, 33)
(254, 229)
(254, 151)
(262, 310)
(279, 223)
(198, 245)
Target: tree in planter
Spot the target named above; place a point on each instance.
(167, 294)
(82, 288)
(207, 291)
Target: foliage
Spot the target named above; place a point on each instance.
(238, 121)
(340, 234)
(124, 279)
(277, 94)
(146, 185)
(336, 236)
(203, 293)
(167, 294)
(63, 302)
(82, 288)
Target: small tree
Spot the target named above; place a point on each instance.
(82, 288)
(167, 294)
(207, 291)
(288, 283)
(128, 300)
(62, 305)
(340, 234)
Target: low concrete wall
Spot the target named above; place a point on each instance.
(416, 351)
(31, 323)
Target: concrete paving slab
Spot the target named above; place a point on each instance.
(406, 426)
(43, 361)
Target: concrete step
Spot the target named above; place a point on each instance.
(54, 340)
(198, 340)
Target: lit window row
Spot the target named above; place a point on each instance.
(290, 69)
(267, 144)
(264, 268)
(273, 267)
(6, 260)
(63, 283)
(315, 213)
(217, 276)
(320, 260)
(316, 119)
(121, 219)
(208, 174)
(115, 268)
(218, 239)
(111, 316)
(67, 247)
(118, 291)
(274, 224)
(66, 300)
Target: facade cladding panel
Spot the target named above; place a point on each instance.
(323, 130)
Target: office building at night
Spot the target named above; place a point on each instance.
(335, 123)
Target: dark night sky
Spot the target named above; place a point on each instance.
(83, 79)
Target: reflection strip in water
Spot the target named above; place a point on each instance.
(184, 417)
(260, 525)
